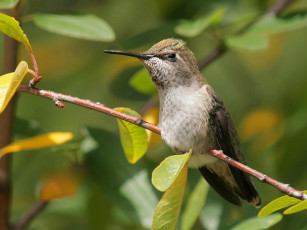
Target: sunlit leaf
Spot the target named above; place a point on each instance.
(87, 27)
(194, 205)
(168, 209)
(152, 116)
(142, 82)
(9, 83)
(8, 4)
(248, 42)
(192, 28)
(133, 137)
(166, 173)
(277, 204)
(272, 24)
(265, 125)
(10, 27)
(296, 208)
(257, 223)
(59, 185)
(37, 142)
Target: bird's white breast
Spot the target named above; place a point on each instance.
(184, 122)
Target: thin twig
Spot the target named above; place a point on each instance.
(88, 104)
(29, 215)
(285, 188)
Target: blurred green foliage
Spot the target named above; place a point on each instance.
(112, 193)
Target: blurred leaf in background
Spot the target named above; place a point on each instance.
(59, 185)
(264, 125)
(259, 223)
(87, 27)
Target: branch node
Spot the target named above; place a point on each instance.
(58, 103)
(34, 81)
(263, 178)
(139, 121)
(98, 103)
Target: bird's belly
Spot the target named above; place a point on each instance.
(184, 131)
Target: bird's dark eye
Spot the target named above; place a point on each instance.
(171, 57)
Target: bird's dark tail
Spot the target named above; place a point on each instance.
(230, 183)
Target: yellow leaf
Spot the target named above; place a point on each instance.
(265, 126)
(37, 142)
(9, 83)
(59, 185)
(152, 116)
(301, 206)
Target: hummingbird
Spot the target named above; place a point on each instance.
(193, 116)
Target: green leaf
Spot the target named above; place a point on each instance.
(142, 82)
(8, 4)
(133, 137)
(166, 173)
(9, 83)
(277, 204)
(194, 205)
(273, 24)
(125, 185)
(10, 27)
(257, 223)
(296, 208)
(189, 28)
(211, 216)
(249, 42)
(87, 27)
(168, 209)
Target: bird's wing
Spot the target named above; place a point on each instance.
(227, 140)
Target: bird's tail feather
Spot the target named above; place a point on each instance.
(230, 183)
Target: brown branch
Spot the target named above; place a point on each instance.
(284, 188)
(6, 126)
(221, 48)
(57, 97)
(30, 214)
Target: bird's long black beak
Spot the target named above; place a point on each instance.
(142, 56)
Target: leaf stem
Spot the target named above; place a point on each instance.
(284, 188)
